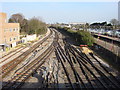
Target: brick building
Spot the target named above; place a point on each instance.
(9, 32)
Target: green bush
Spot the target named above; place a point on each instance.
(84, 37)
(36, 26)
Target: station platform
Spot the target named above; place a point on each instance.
(108, 37)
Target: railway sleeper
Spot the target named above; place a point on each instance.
(25, 54)
(88, 70)
(64, 69)
(105, 78)
(114, 78)
(78, 61)
(101, 73)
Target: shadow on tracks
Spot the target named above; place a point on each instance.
(40, 85)
(104, 54)
(108, 56)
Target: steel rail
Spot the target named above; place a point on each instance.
(12, 64)
(36, 65)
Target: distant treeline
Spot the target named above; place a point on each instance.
(81, 36)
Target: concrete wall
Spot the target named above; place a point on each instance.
(14, 44)
(109, 46)
(29, 38)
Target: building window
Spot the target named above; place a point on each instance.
(4, 30)
(10, 39)
(5, 21)
(14, 38)
(10, 29)
(17, 28)
(13, 29)
(5, 41)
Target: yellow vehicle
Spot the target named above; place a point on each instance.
(85, 49)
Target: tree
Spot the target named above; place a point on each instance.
(115, 23)
(16, 18)
(81, 36)
(85, 37)
(19, 18)
(36, 26)
(95, 25)
(24, 26)
(87, 26)
(103, 23)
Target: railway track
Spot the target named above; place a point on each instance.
(105, 75)
(12, 64)
(65, 70)
(18, 80)
(14, 52)
(86, 73)
(81, 70)
(9, 53)
(104, 68)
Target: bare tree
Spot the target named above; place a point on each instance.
(115, 23)
(16, 18)
(19, 18)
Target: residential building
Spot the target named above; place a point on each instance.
(9, 32)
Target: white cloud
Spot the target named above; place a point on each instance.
(59, 0)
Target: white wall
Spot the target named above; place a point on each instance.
(29, 38)
(14, 44)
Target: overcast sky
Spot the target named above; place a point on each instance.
(52, 12)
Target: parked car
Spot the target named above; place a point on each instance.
(117, 33)
(109, 32)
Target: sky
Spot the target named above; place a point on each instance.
(59, 0)
(63, 12)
